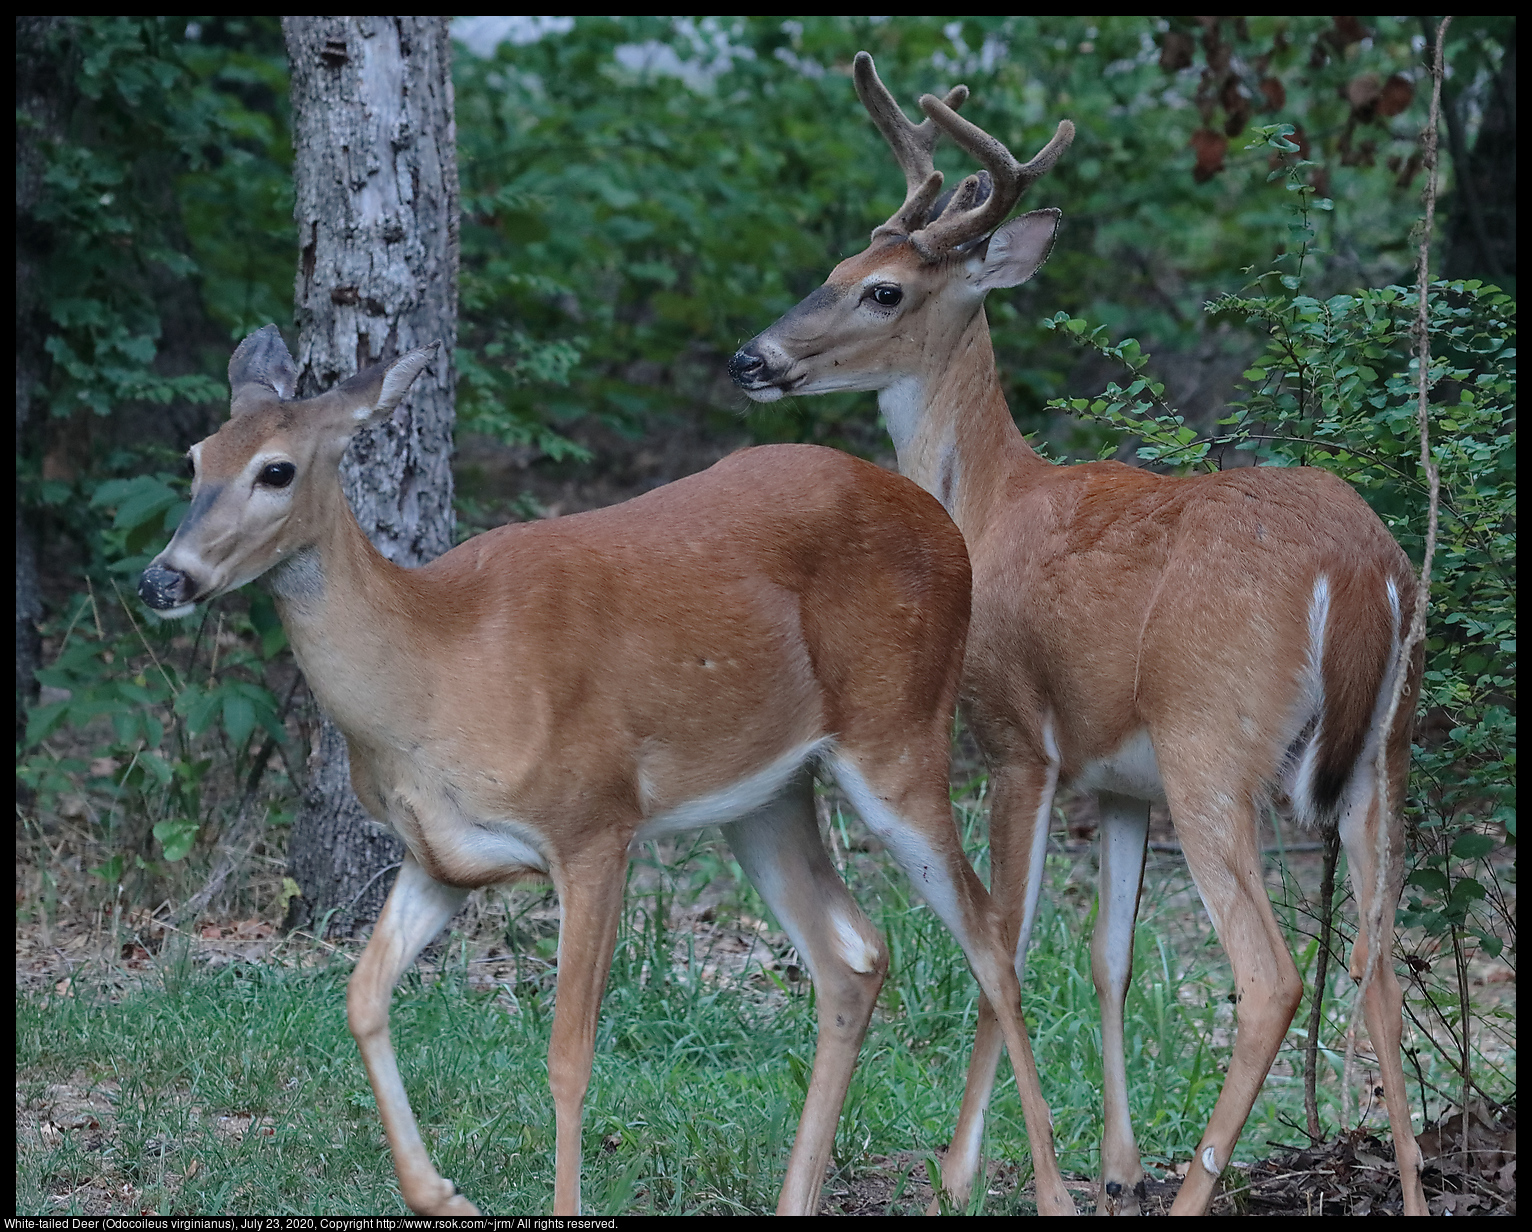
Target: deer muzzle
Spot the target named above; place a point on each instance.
(166, 590)
(755, 372)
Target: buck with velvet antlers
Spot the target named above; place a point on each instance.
(1206, 642)
(544, 696)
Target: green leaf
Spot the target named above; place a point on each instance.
(1489, 943)
(1428, 879)
(44, 720)
(198, 707)
(139, 502)
(238, 718)
(264, 619)
(1471, 846)
(1467, 890)
(176, 836)
(157, 767)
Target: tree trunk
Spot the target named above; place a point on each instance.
(41, 88)
(377, 213)
(1481, 209)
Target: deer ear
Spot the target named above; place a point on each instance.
(399, 376)
(370, 397)
(1016, 250)
(261, 366)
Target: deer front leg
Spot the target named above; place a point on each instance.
(590, 898)
(416, 910)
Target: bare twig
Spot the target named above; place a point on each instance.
(1460, 969)
(1384, 856)
(1348, 1072)
(1421, 1027)
(1317, 1001)
(128, 612)
(73, 620)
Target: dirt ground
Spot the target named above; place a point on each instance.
(1354, 1175)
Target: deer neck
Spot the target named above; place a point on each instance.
(953, 432)
(344, 607)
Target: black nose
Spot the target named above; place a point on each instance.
(746, 366)
(163, 588)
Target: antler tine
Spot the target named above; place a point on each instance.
(958, 223)
(912, 144)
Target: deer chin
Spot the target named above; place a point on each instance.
(176, 613)
(766, 393)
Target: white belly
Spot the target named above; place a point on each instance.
(1130, 770)
(730, 803)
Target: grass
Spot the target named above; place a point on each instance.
(239, 1089)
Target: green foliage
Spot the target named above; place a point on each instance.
(649, 193)
(162, 228)
(149, 118)
(165, 197)
(237, 211)
(170, 716)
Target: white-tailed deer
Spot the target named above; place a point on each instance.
(1204, 642)
(543, 696)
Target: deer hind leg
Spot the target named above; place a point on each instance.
(1383, 1005)
(1021, 804)
(590, 900)
(416, 910)
(1216, 823)
(907, 807)
(1124, 836)
(780, 849)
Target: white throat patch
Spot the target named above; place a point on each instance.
(902, 404)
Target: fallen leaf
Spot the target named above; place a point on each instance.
(1397, 94)
(1505, 1177)
(1210, 148)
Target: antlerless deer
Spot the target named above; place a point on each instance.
(1204, 642)
(545, 695)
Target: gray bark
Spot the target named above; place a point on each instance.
(1481, 231)
(41, 86)
(377, 213)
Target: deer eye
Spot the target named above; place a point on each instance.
(887, 294)
(277, 475)
(191, 466)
